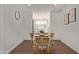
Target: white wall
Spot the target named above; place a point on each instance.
(27, 24)
(71, 31)
(15, 31)
(69, 34)
(56, 25)
(1, 29)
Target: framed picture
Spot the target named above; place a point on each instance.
(72, 15)
(66, 19)
(17, 15)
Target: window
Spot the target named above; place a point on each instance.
(41, 25)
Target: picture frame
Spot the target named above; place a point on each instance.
(17, 15)
(72, 15)
(66, 19)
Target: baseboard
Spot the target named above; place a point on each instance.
(70, 46)
(4, 52)
(8, 51)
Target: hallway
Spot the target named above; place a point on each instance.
(18, 21)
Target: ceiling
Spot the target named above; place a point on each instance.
(51, 7)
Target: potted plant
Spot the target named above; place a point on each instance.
(41, 33)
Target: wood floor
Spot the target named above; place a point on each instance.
(59, 48)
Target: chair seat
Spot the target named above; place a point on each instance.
(42, 46)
